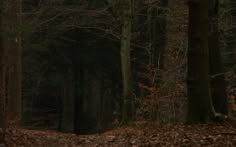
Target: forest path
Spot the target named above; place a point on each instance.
(211, 135)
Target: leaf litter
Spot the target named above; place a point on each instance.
(209, 135)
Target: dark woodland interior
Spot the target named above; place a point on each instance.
(89, 67)
(77, 59)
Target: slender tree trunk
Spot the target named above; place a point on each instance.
(14, 59)
(95, 100)
(218, 86)
(159, 33)
(230, 58)
(200, 106)
(2, 77)
(126, 60)
(79, 96)
(67, 112)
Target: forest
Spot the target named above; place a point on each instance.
(122, 73)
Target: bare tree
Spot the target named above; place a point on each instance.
(218, 85)
(126, 6)
(200, 107)
(14, 60)
(2, 77)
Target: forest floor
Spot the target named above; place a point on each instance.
(210, 135)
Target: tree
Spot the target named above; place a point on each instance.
(14, 60)
(158, 32)
(230, 58)
(200, 107)
(67, 102)
(126, 60)
(2, 77)
(217, 81)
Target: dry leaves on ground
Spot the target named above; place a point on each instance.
(210, 135)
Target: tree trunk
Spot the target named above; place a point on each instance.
(159, 33)
(200, 106)
(218, 86)
(230, 53)
(126, 61)
(67, 116)
(14, 59)
(79, 95)
(95, 100)
(2, 77)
